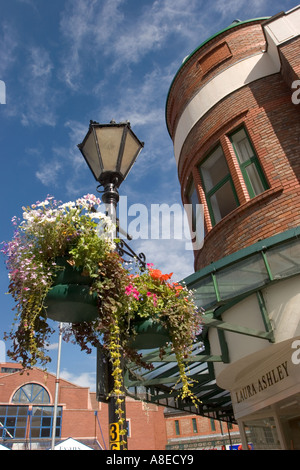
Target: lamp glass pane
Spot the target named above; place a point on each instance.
(91, 154)
(109, 141)
(131, 148)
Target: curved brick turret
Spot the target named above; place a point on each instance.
(236, 135)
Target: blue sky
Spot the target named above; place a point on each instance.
(65, 62)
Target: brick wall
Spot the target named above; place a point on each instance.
(272, 121)
(289, 56)
(204, 426)
(219, 53)
(273, 124)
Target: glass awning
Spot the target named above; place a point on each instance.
(217, 287)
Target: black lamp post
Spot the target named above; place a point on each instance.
(110, 150)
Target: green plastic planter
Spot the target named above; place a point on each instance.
(67, 274)
(71, 303)
(150, 335)
(70, 300)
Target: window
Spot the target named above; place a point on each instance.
(212, 424)
(193, 200)
(31, 393)
(42, 421)
(194, 422)
(249, 164)
(13, 422)
(8, 370)
(218, 186)
(177, 429)
(195, 216)
(41, 417)
(128, 428)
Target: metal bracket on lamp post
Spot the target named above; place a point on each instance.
(110, 197)
(124, 249)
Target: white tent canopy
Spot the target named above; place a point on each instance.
(71, 444)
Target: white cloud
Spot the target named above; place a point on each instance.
(167, 255)
(48, 173)
(87, 27)
(9, 42)
(52, 347)
(94, 30)
(40, 97)
(159, 22)
(85, 379)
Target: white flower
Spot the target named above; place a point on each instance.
(67, 205)
(42, 204)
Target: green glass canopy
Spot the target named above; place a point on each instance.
(217, 287)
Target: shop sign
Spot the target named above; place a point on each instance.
(263, 382)
(269, 375)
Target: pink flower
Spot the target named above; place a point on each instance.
(131, 290)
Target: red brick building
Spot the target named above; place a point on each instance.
(186, 431)
(234, 118)
(27, 405)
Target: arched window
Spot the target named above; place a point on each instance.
(31, 393)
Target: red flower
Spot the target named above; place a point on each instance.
(157, 274)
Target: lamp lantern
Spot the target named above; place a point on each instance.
(110, 150)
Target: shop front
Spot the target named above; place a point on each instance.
(265, 392)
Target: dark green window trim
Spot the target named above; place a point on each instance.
(253, 160)
(177, 428)
(209, 193)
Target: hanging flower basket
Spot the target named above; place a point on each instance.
(149, 334)
(63, 265)
(70, 299)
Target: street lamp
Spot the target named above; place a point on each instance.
(110, 150)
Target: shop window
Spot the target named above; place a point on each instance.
(218, 186)
(249, 164)
(262, 434)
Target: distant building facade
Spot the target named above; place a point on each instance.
(234, 118)
(27, 405)
(26, 418)
(186, 431)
